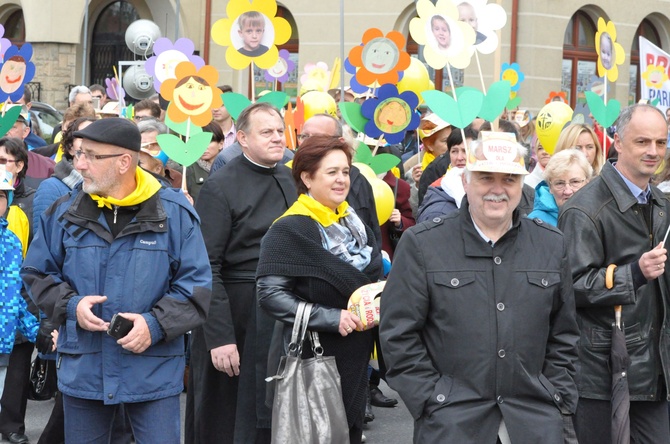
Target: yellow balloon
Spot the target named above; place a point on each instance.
(384, 202)
(318, 102)
(415, 79)
(366, 171)
(550, 122)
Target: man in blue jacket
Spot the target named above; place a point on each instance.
(124, 245)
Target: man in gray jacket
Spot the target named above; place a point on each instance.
(614, 227)
(478, 323)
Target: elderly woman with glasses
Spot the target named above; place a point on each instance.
(566, 172)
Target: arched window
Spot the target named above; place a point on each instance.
(15, 28)
(290, 87)
(649, 32)
(108, 43)
(579, 57)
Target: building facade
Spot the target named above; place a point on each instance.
(80, 41)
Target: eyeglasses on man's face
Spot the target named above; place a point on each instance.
(90, 156)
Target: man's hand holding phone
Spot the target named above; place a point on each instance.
(138, 338)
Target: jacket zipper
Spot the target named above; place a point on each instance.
(116, 208)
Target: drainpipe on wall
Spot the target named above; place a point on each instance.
(208, 26)
(515, 29)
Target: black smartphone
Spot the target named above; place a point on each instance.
(119, 326)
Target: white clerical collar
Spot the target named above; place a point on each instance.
(258, 164)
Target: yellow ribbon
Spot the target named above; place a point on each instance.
(147, 186)
(308, 206)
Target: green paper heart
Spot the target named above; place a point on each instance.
(278, 99)
(363, 154)
(655, 101)
(605, 115)
(513, 103)
(8, 120)
(184, 153)
(459, 114)
(381, 163)
(351, 113)
(235, 103)
(496, 98)
(180, 128)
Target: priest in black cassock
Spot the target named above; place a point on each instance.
(237, 205)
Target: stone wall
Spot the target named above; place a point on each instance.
(55, 65)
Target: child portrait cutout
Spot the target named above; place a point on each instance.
(443, 36)
(467, 14)
(607, 55)
(252, 34)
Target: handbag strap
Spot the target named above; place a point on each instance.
(299, 328)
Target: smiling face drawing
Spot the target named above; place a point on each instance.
(380, 55)
(12, 74)
(193, 96)
(280, 68)
(392, 115)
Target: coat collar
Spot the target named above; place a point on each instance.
(620, 192)
(473, 244)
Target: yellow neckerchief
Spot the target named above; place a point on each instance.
(147, 186)
(59, 152)
(308, 206)
(428, 157)
(17, 223)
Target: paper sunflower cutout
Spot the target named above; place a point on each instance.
(512, 73)
(251, 32)
(557, 96)
(192, 94)
(4, 42)
(167, 56)
(281, 70)
(446, 39)
(16, 71)
(610, 53)
(391, 113)
(654, 76)
(380, 58)
(485, 21)
(316, 77)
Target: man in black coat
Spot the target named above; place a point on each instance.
(615, 227)
(478, 324)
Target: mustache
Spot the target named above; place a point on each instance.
(497, 197)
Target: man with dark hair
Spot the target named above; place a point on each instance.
(146, 109)
(98, 92)
(615, 227)
(139, 255)
(237, 205)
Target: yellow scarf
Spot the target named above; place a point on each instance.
(308, 206)
(147, 186)
(428, 157)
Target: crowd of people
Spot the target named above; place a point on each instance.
(503, 273)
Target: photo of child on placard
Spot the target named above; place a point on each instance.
(467, 14)
(606, 50)
(252, 34)
(443, 36)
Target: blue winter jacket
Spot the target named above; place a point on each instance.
(545, 206)
(14, 312)
(156, 266)
(435, 203)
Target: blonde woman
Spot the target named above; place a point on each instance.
(582, 137)
(566, 173)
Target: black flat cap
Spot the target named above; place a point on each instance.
(113, 131)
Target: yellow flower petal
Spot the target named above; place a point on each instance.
(425, 9)
(236, 60)
(433, 58)
(221, 31)
(619, 54)
(282, 30)
(237, 7)
(416, 29)
(613, 74)
(267, 60)
(265, 7)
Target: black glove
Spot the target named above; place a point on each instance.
(44, 341)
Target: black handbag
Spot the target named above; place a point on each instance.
(43, 379)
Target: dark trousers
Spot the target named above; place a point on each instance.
(15, 395)
(648, 422)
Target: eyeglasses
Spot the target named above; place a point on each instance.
(89, 156)
(97, 97)
(4, 161)
(574, 184)
(303, 137)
